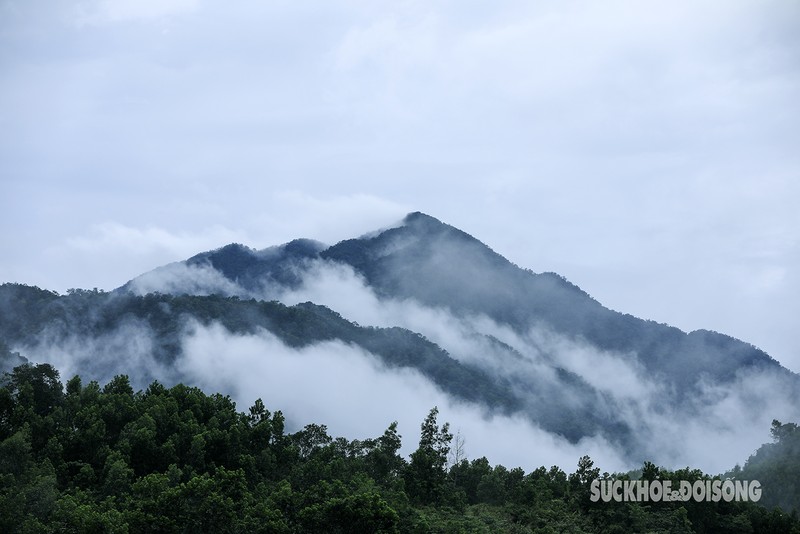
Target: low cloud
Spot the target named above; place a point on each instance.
(720, 427)
(350, 391)
(179, 278)
(331, 383)
(129, 349)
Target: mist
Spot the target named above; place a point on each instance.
(719, 425)
(128, 349)
(727, 424)
(178, 277)
(354, 395)
(335, 384)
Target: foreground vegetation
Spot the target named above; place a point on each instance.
(86, 458)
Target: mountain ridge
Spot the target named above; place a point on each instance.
(407, 261)
(431, 298)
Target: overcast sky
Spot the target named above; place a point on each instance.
(648, 151)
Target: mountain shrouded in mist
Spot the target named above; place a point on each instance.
(417, 314)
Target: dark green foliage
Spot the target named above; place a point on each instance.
(426, 474)
(777, 466)
(87, 458)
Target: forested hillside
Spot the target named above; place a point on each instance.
(90, 458)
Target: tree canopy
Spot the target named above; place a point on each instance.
(91, 458)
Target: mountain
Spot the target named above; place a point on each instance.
(426, 298)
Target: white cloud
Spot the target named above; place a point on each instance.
(178, 278)
(126, 349)
(716, 429)
(348, 390)
(111, 253)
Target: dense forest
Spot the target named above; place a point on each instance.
(85, 458)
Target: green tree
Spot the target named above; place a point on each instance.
(383, 460)
(36, 386)
(426, 475)
(361, 513)
(581, 480)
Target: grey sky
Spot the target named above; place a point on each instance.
(648, 151)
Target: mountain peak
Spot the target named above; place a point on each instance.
(426, 228)
(419, 218)
(303, 247)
